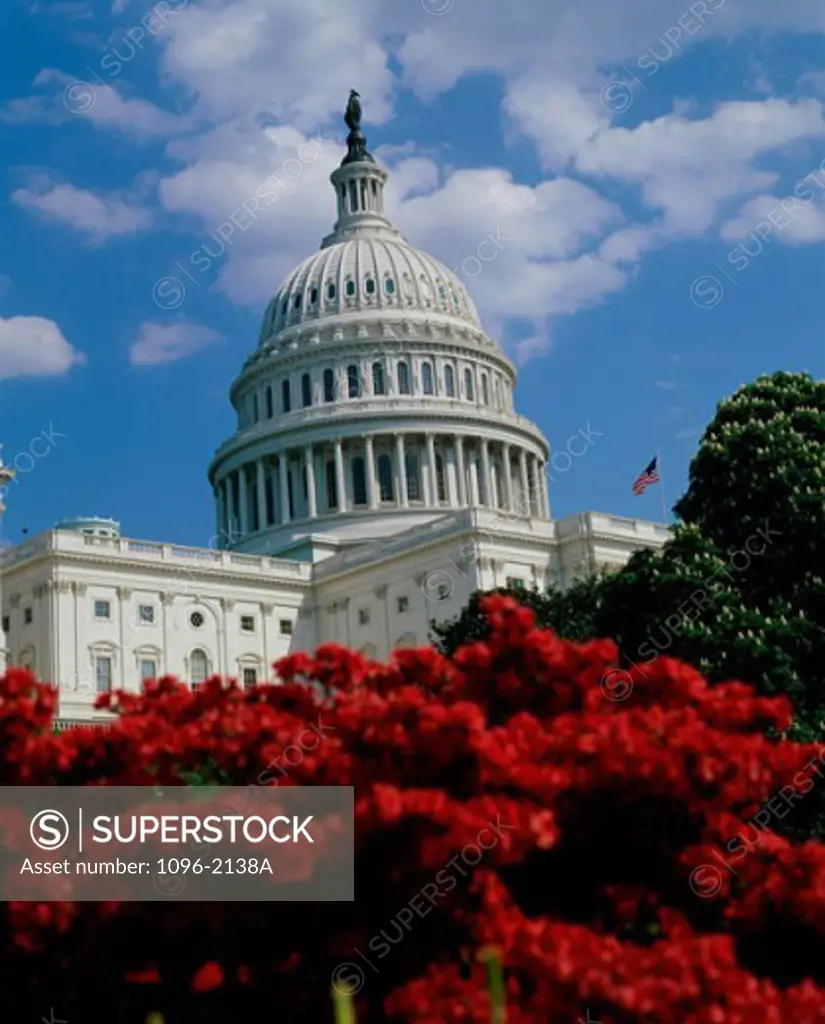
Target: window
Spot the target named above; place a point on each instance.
(403, 379)
(363, 616)
(485, 391)
(370, 286)
(146, 613)
(313, 296)
(254, 408)
(403, 605)
(449, 381)
(329, 386)
(103, 673)
(514, 582)
(331, 291)
(353, 382)
(247, 623)
(6, 624)
(306, 390)
(378, 379)
(350, 289)
(427, 379)
(385, 478)
(413, 486)
(198, 668)
(389, 286)
(148, 668)
(286, 397)
(359, 481)
(440, 479)
(332, 486)
(28, 616)
(468, 385)
(297, 302)
(270, 404)
(196, 619)
(103, 610)
(285, 627)
(250, 678)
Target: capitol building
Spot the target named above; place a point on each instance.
(377, 476)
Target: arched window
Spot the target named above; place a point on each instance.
(378, 379)
(254, 408)
(313, 296)
(359, 481)
(485, 391)
(413, 480)
(329, 386)
(332, 488)
(403, 379)
(350, 289)
(353, 381)
(297, 302)
(331, 291)
(441, 481)
(286, 397)
(270, 405)
(496, 393)
(385, 483)
(306, 390)
(198, 667)
(427, 379)
(468, 385)
(449, 381)
(370, 286)
(389, 286)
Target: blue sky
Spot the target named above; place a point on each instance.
(655, 171)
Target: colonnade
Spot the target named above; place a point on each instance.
(380, 471)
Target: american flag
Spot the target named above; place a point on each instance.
(649, 476)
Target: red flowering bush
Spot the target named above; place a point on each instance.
(506, 797)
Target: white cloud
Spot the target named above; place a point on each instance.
(294, 60)
(99, 217)
(101, 105)
(167, 343)
(31, 346)
(788, 219)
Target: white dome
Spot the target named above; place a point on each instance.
(375, 402)
(367, 273)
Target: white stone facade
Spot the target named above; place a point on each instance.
(379, 474)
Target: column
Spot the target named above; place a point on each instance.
(524, 503)
(433, 470)
(340, 482)
(545, 490)
(475, 497)
(244, 501)
(401, 471)
(262, 523)
(461, 477)
(283, 487)
(508, 482)
(485, 473)
(309, 462)
(536, 502)
(369, 461)
(224, 525)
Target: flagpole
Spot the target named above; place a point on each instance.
(665, 513)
